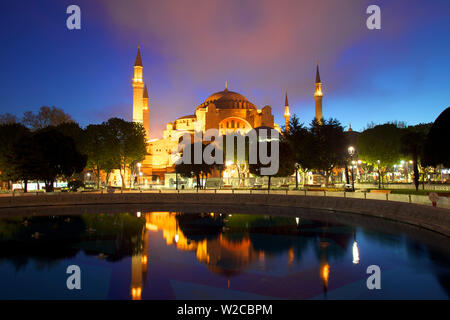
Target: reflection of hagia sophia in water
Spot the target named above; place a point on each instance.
(229, 244)
(226, 111)
(276, 256)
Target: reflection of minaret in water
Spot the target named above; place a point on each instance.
(324, 266)
(291, 252)
(139, 267)
(325, 274)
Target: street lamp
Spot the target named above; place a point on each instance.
(379, 175)
(351, 152)
(296, 175)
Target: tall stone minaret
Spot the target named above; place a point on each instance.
(138, 87)
(146, 112)
(318, 96)
(287, 114)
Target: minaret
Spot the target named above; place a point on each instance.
(286, 113)
(318, 96)
(138, 87)
(146, 111)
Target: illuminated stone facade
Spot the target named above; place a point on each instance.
(225, 110)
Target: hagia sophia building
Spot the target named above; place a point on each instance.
(224, 110)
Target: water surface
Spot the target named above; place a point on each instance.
(216, 254)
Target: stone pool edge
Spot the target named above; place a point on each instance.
(435, 219)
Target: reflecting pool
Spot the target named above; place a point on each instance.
(216, 254)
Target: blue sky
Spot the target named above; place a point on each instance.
(261, 47)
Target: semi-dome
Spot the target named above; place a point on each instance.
(191, 116)
(227, 99)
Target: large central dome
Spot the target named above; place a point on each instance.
(227, 99)
(226, 95)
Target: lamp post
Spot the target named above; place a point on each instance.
(379, 176)
(351, 152)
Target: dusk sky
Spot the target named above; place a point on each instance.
(261, 47)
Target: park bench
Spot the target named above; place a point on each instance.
(380, 191)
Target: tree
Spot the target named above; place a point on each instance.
(436, 145)
(7, 118)
(327, 146)
(300, 142)
(12, 159)
(413, 142)
(283, 154)
(100, 150)
(381, 146)
(74, 131)
(45, 117)
(192, 169)
(129, 140)
(55, 154)
(239, 161)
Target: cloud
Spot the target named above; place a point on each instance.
(260, 46)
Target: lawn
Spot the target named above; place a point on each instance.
(414, 192)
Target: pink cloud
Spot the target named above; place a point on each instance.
(259, 46)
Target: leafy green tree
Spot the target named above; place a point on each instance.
(100, 150)
(74, 131)
(192, 169)
(283, 153)
(300, 142)
(12, 138)
(381, 146)
(436, 147)
(53, 155)
(240, 161)
(129, 140)
(413, 143)
(287, 159)
(286, 162)
(327, 146)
